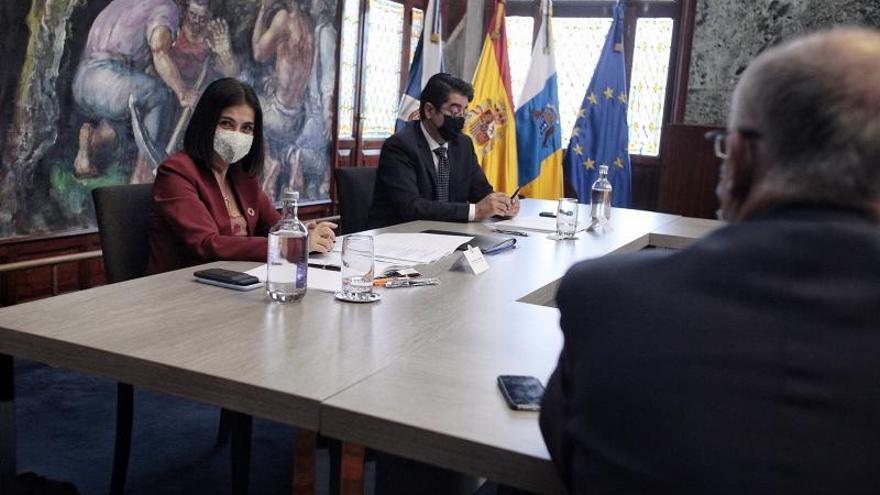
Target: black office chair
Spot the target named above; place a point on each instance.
(354, 188)
(123, 214)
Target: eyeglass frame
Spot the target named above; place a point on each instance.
(719, 139)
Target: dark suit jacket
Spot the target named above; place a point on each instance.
(746, 363)
(405, 180)
(189, 223)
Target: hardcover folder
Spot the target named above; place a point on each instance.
(487, 243)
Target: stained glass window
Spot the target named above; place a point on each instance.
(519, 50)
(348, 69)
(418, 18)
(382, 68)
(578, 44)
(650, 69)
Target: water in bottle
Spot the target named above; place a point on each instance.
(600, 198)
(288, 257)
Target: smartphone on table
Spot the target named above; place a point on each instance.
(228, 278)
(523, 393)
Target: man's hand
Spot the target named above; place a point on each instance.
(514, 208)
(321, 236)
(218, 37)
(493, 204)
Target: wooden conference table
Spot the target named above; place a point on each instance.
(413, 374)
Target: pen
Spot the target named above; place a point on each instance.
(511, 232)
(391, 284)
(515, 192)
(332, 268)
(381, 281)
(548, 214)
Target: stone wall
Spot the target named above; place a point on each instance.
(728, 34)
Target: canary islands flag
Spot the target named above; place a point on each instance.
(427, 61)
(601, 134)
(490, 119)
(538, 135)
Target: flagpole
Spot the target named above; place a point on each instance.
(549, 35)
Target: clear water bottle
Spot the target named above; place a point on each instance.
(288, 257)
(600, 198)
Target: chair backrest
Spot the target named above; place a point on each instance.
(123, 214)
(354, 187)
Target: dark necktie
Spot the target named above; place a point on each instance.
(441, 191)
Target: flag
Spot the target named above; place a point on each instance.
(601, 134)
(538, 134)
(490, 119)
(427, 61)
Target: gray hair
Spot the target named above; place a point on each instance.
(816, 102)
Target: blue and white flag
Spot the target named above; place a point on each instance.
(601, 134)
(538, 134)
(427, 61)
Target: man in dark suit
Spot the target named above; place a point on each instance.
(748, 362)
(429, 171)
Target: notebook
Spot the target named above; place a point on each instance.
(487, 243)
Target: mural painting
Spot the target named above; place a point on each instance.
(104, 89)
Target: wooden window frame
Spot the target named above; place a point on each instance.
(362, 151)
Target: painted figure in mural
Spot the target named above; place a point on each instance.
(126, 39)
(200, 37)
(202, 52)
(288, 37)
(313, 151)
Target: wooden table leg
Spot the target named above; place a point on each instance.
(7, 424)
(352, 477)
(304, 445)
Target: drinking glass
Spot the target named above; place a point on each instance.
(566, 218)
(357, 266)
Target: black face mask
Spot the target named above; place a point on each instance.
(451, 127)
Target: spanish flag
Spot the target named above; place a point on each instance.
(490, 118)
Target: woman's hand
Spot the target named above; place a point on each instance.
(321, 236)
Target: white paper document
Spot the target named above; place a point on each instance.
(259, 272)
(324, 280)
(415, 249)
(318, 279)
(540, 224)
(332, 258)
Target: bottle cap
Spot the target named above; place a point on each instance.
(291, 195)
(603, 169)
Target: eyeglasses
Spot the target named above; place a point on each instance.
(719, 139)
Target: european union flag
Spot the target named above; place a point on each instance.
(601, 134)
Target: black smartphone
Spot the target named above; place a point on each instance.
(523, 393)
(228, 278)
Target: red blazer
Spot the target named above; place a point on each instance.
(189, 224)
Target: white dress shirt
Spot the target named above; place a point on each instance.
(433, 145)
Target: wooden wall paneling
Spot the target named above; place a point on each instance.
(343, 158)
(645, 176)
(688, 172)
(35, 283)
(370, 158)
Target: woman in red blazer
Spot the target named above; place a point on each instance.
(207, 201)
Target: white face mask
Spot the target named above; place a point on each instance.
(232, 146)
